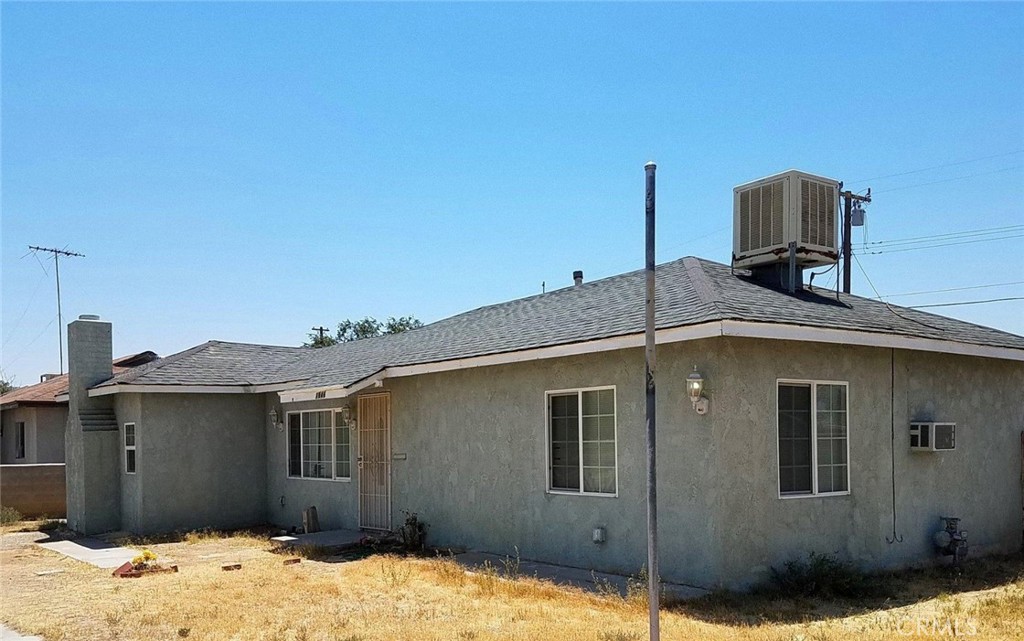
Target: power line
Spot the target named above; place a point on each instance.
(947, 180)
(950, 164)
(57, 253)
(886, 303)
(955, 289)
(951, 235)
(969, 302)
(962, 242)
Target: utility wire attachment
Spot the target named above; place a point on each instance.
(57, 253)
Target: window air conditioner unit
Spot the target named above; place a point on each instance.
(792, 206)
(932, 437)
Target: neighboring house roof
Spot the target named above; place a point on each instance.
(691, 292)
(46, 392)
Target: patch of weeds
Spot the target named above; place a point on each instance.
(9, 515)
(487, 578)
(822, 575)
(395, 572)
(604, 588)
(637, 588)
(512, 568)
(619, 636)
(448, 569)
(184, 632)
(413, 532)
(469, 635)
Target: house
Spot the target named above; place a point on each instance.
(33, 420)
(521, 425)
(33, 417)
(480, 423)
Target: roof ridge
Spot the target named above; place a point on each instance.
(706, 291)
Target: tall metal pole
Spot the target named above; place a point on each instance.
(847, 240)
(60, 317)
(57, 253)
(653, 584)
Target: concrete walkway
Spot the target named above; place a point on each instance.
(562, 575)
(337, 539)
(7, 634)
(93, 551)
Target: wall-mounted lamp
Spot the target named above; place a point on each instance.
(273, 419)
(346, 416)
(695, 387)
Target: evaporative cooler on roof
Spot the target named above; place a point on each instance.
(792, 206)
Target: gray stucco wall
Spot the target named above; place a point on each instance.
(128, 408)
(201, 461)
(44, 434)
(336, 501)
(475, 467)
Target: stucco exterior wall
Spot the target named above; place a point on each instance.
(200, 462)
(128, 408)
(44, 434)
(979, 481)
(475, 460)
(336, 501)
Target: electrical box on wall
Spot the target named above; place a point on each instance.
(932, 437)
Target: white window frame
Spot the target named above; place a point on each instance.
(814, 438)
(130, 448)
(20, 447)
(302, 447)
(547, 439)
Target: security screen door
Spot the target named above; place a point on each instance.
(374, 461)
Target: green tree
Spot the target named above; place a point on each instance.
(5, 385)
(353, 330)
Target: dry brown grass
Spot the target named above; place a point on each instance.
(416, 599)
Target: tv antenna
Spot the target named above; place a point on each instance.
(57, 253)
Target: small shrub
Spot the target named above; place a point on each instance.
(822, 575)
(9, 515)
(413, 532)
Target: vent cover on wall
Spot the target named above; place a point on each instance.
(791, 206)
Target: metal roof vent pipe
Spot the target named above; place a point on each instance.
(577, 277)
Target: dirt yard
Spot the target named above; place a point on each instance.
(384, 597)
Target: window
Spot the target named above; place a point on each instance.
(813, 438)
(19, 440)
(581, 441)
(129, 448)
(318, 445)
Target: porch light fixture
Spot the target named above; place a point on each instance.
(695, 387)
(273, 419)
(346, 415)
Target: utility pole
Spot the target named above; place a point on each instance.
(653, 581)
(848, 199)
(57, 253)
(321, 331)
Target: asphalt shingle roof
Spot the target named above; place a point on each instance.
(690, 291)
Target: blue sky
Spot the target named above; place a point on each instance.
(246, 171)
